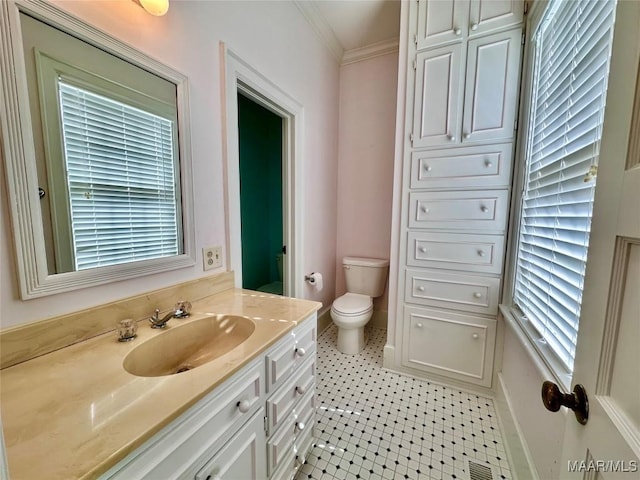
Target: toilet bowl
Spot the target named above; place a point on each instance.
(351, 312)
(365, 279)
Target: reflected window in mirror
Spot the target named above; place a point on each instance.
(109, 164)
(96, 149)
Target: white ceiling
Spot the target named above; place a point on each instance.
(354, 29)
(360, 23)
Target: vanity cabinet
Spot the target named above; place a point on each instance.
(257, 425)
(462, 69)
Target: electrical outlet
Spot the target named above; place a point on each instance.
(212, 257)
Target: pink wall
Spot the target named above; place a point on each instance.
(276, 40)
(365, 161)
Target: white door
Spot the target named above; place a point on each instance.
(441, 22)
(487, 15)
(438, 96)
(491, 91)
(607, 357)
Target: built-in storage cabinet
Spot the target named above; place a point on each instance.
(467, 92)
(463, 69)
(456, 346)
(445, 21)
(255, 426)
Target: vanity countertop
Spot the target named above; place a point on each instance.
(76, 412)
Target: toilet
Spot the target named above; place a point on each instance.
(366, 278)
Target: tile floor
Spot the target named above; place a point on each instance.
(374, 424)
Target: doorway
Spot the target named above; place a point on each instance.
(243, 80)
(261, 196)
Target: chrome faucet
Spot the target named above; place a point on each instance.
(181, 310)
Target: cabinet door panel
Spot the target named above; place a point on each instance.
(491, 90)
(243, 457)
(487, 15)
(455, 346)
(479, 166)
(441, 22)
(437, 94)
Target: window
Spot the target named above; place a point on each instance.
(120, 177)
(570, 52)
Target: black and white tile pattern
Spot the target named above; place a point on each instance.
(374, 424)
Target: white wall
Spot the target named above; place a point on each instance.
(274, 38)
(365, 161)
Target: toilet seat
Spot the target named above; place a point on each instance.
(352, 304)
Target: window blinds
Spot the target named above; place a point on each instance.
(571, 65)
(121, 179)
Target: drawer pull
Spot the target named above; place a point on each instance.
(481, 253)
(419, 325)
(300, 390)
(474, 26)
(244, 406)
(488, 163)
(424, 209)
(301, 352)
(484, 209)
(477, 295)
(427, 168)
(451, 138)
(421, 288)
(475, 336)
(423, 249)
(213, 476)
(457, 31)
(467, 136)
(300, 426)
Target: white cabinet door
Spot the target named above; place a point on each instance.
(491, 92)
(455, 346)
(244, 456)
(437, 97)
(441, 22)
(487, 15)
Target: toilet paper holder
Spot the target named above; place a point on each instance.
(310, 278)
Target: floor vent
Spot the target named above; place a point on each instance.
(477, 471)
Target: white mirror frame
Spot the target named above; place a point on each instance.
(19, 153)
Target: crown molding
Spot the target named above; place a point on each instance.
(370, 51)
(322, 28)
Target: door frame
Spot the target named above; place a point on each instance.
(238, 76)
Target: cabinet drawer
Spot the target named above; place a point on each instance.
(292, 435)
(283, 401)
(188, 441)
(474, 210)
(455, 346)
(482, 166)
(293, 350)
(455, 251)
(470, 293)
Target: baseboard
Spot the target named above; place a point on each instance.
(520, 459)
(324, 320)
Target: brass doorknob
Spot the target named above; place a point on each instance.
(577, 401)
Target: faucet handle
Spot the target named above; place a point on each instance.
(182, 309)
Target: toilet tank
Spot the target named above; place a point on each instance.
(366, 276)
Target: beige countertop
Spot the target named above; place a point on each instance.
(76, 412)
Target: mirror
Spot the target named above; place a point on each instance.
(98, 168)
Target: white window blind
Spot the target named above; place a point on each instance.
(572, 49)
(121, 177)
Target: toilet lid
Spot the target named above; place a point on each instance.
(352, 304)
